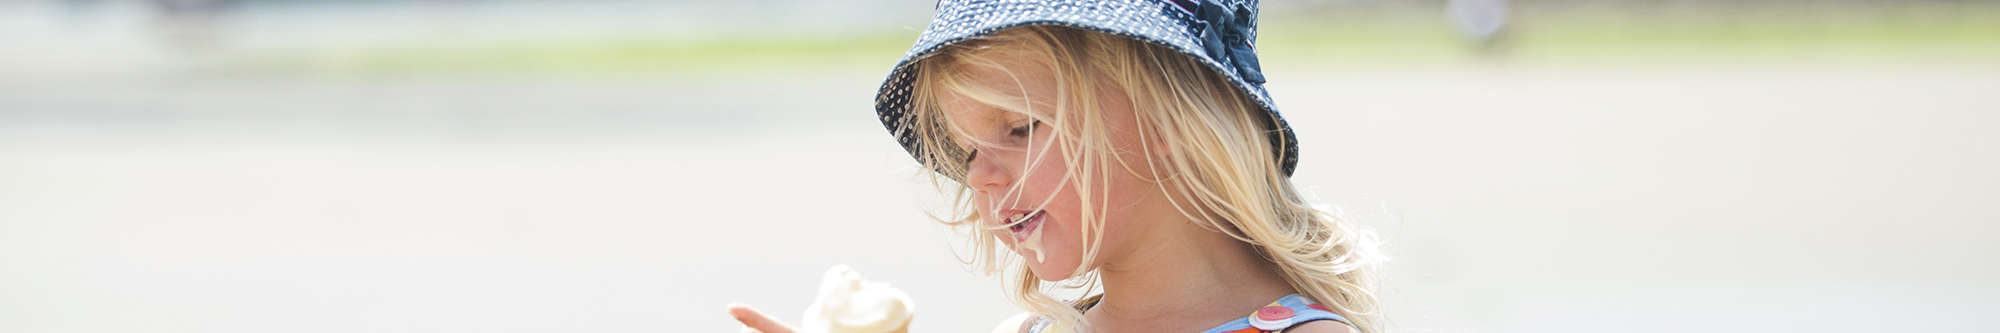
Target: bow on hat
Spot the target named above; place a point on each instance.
(1225, 32)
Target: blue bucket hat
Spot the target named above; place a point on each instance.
(1218, 33)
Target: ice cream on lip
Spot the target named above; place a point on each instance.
(1027, 231)
(848, 304)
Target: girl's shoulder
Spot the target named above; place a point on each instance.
(1323, 326)
(1293, 313)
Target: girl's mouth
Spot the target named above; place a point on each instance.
(1024, 224)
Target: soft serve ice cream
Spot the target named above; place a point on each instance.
(847, 304)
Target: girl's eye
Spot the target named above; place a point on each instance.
(1024, 129)
(972, 155)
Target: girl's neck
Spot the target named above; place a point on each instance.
(1192, 277)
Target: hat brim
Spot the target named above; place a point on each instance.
(1157, 22)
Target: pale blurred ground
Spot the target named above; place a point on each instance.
(149, 188)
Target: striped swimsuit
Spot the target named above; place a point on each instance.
(1277, 316)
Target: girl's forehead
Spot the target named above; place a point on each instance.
(1000, 100)
(968, 112)
(969, 118)
(992, 104)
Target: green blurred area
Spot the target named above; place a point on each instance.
(1915, 33)
(1621, 35)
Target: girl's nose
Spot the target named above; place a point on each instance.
(986, 176)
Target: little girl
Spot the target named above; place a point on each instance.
(1127, 146)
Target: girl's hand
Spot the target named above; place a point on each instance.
(757, 321)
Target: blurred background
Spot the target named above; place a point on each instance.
(633, 166)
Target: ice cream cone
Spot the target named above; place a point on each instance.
(905, 328)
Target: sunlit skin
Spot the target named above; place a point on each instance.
(1161, 272)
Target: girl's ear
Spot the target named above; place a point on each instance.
(1157, 150)
(1157, 143)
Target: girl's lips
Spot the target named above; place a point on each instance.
(1027, 225)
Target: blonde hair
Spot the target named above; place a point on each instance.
(1218, 163)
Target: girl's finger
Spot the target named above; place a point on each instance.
(757, 320)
